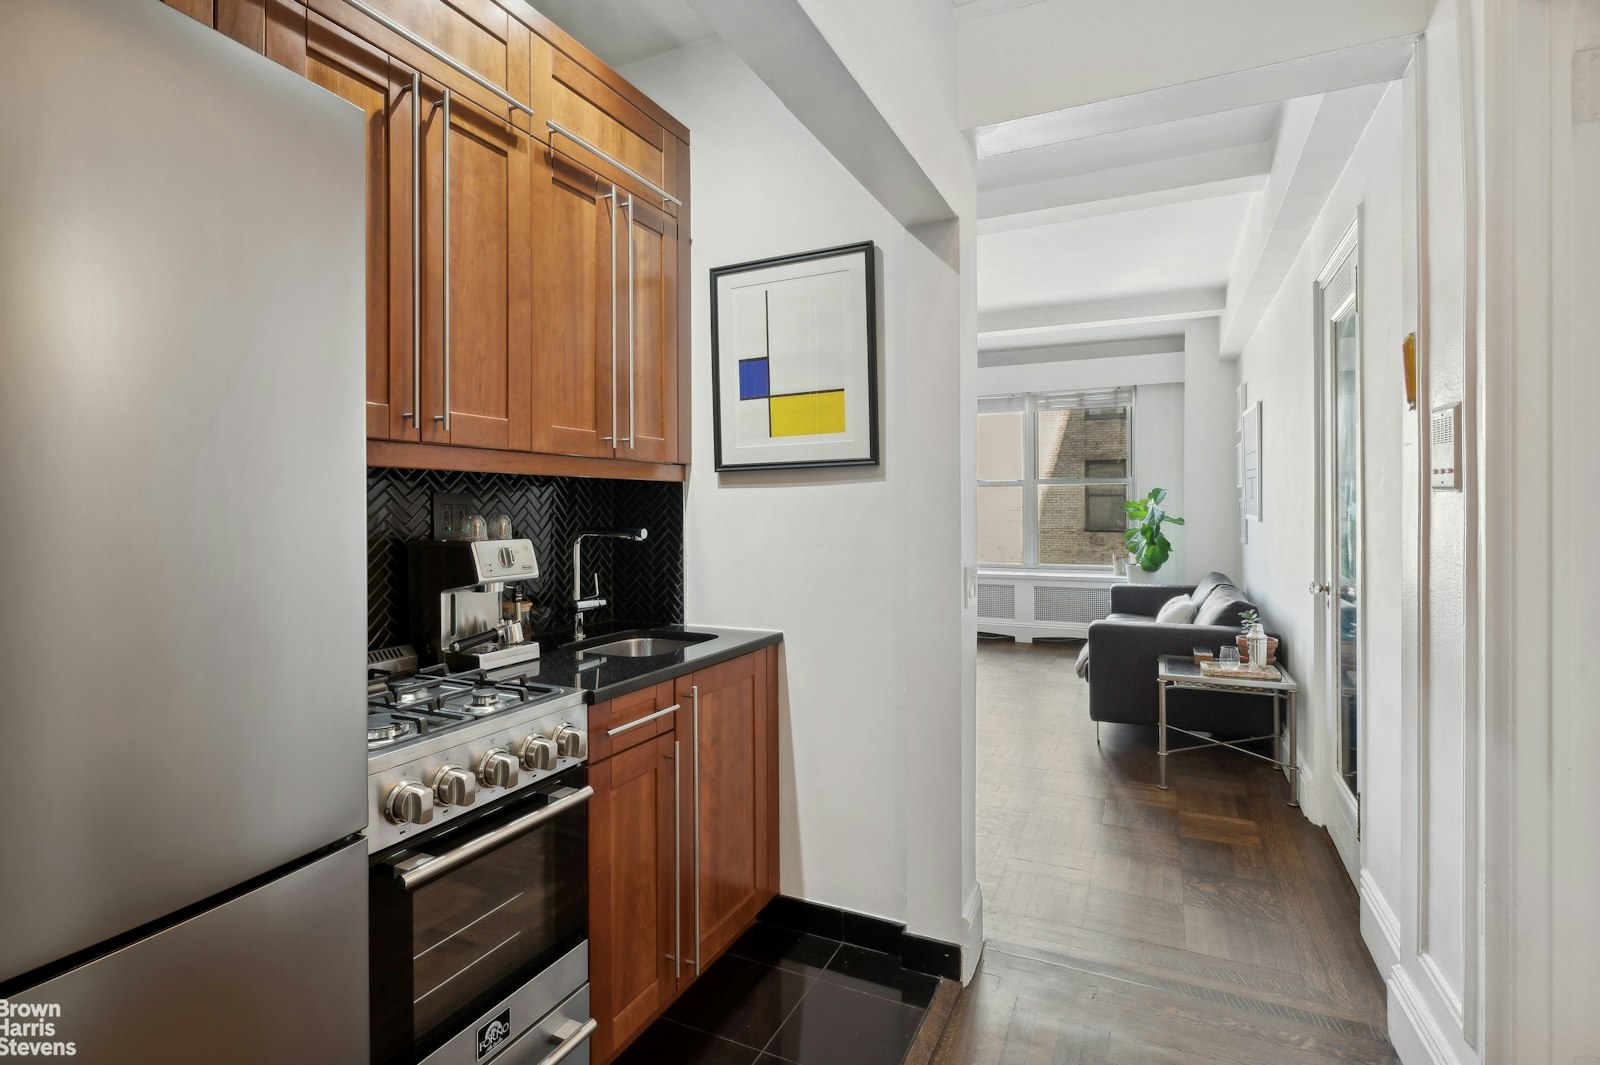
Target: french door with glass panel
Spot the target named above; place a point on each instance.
(1337, 584)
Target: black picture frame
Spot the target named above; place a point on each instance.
(869, 252)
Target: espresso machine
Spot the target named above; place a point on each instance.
(466, 610)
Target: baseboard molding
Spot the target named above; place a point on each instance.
(917, 953)
(1416, 1036)
(1380, 928)
(971, 934)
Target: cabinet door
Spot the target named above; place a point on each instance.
(599, 115)
(650, 371)
(477, 360)
(574, 254)
(733, 785)
(355, 71)
(632, 858)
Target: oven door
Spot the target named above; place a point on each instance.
(463, 917)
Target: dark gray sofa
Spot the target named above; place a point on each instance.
(1123, 648)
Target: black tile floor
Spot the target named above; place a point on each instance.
(780, 996)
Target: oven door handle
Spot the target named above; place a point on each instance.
(568, 1038)
(421, 868)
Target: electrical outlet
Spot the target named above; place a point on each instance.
(450, 512)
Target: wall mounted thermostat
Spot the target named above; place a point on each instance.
(1444, 455)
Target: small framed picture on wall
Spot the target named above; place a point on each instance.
(794, 353)
(1252, 461)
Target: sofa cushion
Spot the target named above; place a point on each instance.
(1207, 585)
(1222, 607)
(1143, 619)
(1179, 610)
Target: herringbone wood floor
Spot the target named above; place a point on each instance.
(1128, 925)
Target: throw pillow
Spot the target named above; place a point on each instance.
(1082, 666)
(1208, 584)
(1179, 610)
(1223, 608)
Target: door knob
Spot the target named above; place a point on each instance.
(1318, 588)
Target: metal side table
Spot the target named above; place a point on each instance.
(1178, 672)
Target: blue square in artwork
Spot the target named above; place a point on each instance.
(754, 380)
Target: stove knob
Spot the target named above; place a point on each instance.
(497, 769)
(570, 741)
(538, 753)
(409, 804)
(452, 786)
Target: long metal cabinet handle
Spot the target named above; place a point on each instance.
(636, 722)
(694, 693)
(559, 129)
(415, 413)
(611, 232)
(677, 861)
(631, 443)
(580, 1034)
(445, 272)
(419, 872)
(444, 57)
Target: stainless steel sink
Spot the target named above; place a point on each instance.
(639, 647)
(643, 643)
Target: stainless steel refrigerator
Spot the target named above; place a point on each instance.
(182, 543)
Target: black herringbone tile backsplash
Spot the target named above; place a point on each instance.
(643, 581)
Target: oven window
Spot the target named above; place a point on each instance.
(453, 946)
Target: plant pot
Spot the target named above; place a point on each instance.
(1136, 575)
(1244, 649)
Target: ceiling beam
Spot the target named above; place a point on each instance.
(1107, 349)
(1362, 64)
(1314, 146)
(1123, 311)
(778, 40)
(1205, 175)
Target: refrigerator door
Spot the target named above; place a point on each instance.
(276, 975)
(182, 469)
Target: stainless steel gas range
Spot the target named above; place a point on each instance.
(478, 832)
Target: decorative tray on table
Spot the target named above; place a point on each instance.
(1242, 672)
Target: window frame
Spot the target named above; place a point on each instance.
(1033, 404)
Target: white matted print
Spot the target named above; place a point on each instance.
(794, 360)
(1251, 446)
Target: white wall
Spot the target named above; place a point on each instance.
(859, 567)
(1028, 59)
(1210, 492)
(1278, 367)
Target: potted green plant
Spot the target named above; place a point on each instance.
(1249, 619)
(1148, 546)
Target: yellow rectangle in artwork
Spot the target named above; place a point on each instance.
(808, 414)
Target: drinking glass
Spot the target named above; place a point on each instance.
(1229, 658)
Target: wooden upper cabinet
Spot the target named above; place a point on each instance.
(651, 429)
(633, 858)
(476, 365)
(478, 34)
(601, 117)
(574, 254)
(357, 72)
(734, 790)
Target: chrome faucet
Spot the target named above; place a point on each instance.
(583, 604)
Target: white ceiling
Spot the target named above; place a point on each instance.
(627, 31)
(1134, 253)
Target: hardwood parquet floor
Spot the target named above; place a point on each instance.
(1128, 925)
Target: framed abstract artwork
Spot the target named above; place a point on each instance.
(794, 354)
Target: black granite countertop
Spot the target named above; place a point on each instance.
(603, 677)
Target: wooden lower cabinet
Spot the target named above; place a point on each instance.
(633, 860)
(710, 770)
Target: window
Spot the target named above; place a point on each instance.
(1053, 473)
